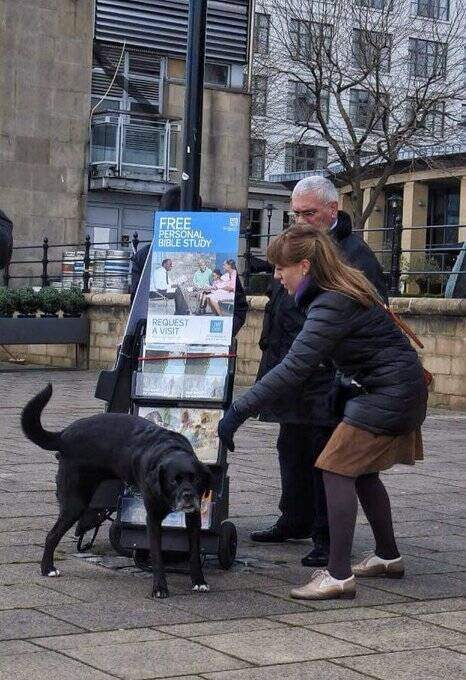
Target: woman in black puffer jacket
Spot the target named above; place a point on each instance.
(345, 323)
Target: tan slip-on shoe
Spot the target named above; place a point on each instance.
(376, 566)
(323, 586)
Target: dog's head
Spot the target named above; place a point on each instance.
(180, 479)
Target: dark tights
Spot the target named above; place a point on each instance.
(342, 505)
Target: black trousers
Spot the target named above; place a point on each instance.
(303, 504)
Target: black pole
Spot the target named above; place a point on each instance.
(192, 136)
(395, 260)
(87, 264)
(45, 262)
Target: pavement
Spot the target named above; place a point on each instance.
(96, 622)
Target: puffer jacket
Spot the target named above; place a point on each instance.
(363, 343)
(282, 323)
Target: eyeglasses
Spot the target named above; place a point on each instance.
(296, 214)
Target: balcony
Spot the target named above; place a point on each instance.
(130, 154)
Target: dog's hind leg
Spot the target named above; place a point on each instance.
(69, 514)
(193, 527)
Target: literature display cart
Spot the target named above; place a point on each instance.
(178, 369)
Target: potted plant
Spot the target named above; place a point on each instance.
(7, 306)
(49, 301)
(26, 302)
(73, 302)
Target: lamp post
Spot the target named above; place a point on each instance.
(192, 135)
(269, 207)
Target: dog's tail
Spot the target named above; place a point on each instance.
(32, 427)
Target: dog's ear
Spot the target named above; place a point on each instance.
(155, 480)
(206, 479)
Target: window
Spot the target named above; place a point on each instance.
(261, 33)
(435, 119)
(427, 58)
(259, 95)
(433, 9)
(255, 227)
(372, 4)
(257, 159)
(371, 50)
(217, 74)
(361, 110)
(310, 39)
(463, 115)
(300, 157)
(302, 103)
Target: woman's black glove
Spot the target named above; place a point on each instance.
(228, 426)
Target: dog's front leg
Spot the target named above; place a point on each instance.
(193, 527)
(154, 528)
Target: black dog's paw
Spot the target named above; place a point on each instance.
(201, 588)
(52, 572)
(160, 593)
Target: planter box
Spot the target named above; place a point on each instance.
(44, 331)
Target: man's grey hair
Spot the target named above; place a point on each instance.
(321, 187)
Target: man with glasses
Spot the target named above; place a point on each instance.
(306, 420)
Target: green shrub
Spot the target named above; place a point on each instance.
(25, 300)
(49, 300)
(73, 302)
(7, 306)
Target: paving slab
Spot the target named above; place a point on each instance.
(156, 659)
(136, 613)
(309, 618)
(31, 595)
(309, 670)
(267, 647)
(427, 606)
(18, 624)
(193, 630)
(424, 586)
(104, 638)
(235, 604)
(425, 664)
(453, 620)
(386, 635)
(44, 665)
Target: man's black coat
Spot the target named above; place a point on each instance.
(6, 239)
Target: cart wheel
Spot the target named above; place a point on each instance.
(142, 559)
(228, 541)
(114, 536)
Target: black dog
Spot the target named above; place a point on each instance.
(161, 463)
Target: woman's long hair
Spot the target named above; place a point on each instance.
(326, 266)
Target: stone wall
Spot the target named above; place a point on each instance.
(440, 325)
(45, 74)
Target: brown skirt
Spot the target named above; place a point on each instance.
(351, 451)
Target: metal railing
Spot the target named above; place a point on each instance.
(85, 273)
(422, 269)
(121, 146)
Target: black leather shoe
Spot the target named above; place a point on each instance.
(318, 557)
(274, 535)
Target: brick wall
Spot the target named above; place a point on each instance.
(440, 324)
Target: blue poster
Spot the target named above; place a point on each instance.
(193, 278)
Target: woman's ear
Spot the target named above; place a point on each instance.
(305, 267)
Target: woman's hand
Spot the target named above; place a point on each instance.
(228, 426)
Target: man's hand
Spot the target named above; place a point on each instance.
(228, 426)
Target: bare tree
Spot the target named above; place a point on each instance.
(366, 80)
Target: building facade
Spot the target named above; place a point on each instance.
(428, 184)
(92, 113)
